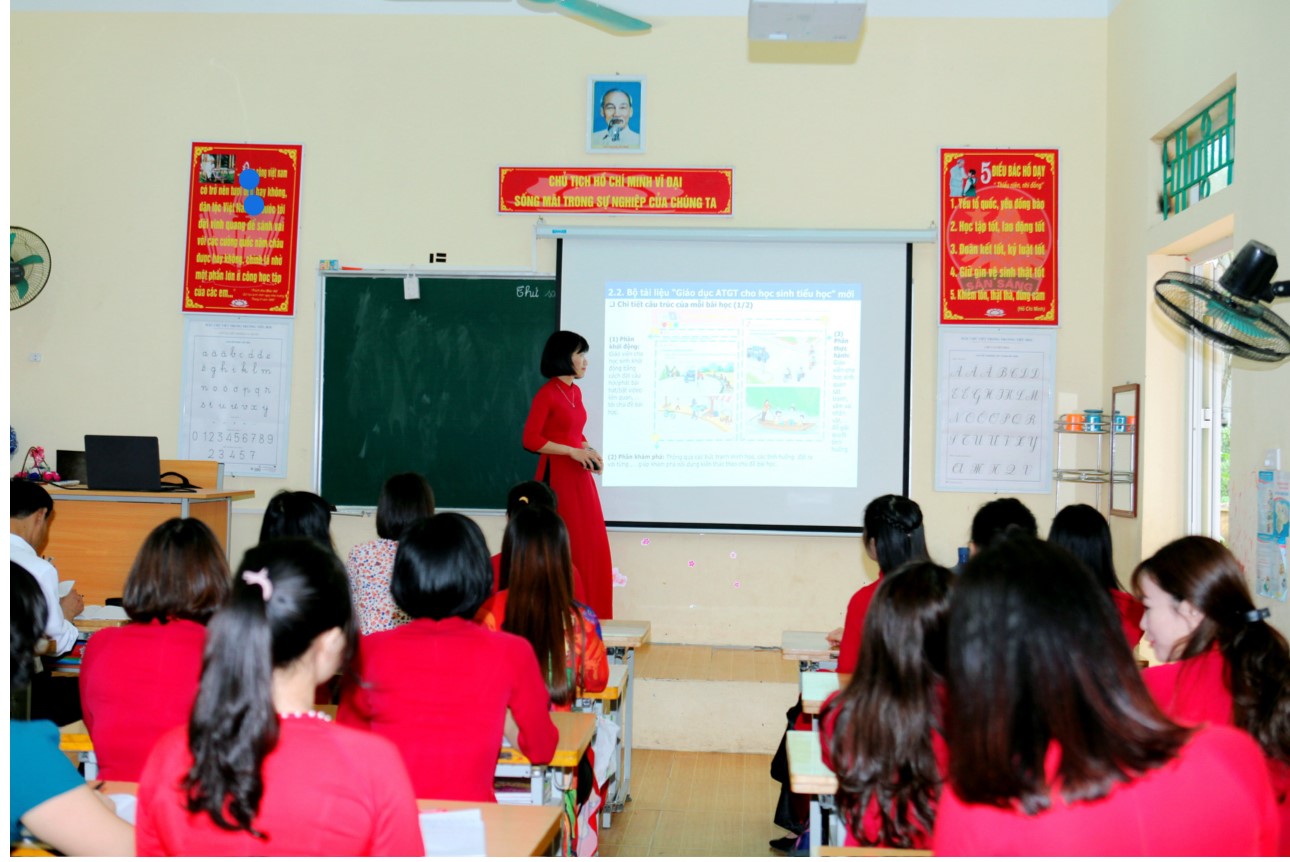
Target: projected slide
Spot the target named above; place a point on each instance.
(731, 384)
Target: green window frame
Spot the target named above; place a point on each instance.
(1199, 155)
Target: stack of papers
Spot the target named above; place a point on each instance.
(453, 833)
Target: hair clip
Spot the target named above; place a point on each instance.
(261, 580)
(1253, 616)
(524, 500)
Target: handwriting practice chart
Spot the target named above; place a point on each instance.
(995, 409)
(237, 383)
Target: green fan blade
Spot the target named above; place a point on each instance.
(22, 289)
(29, 259)
(603, 15)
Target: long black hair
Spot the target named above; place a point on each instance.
(1035, 661)
(27, 616)
(233, 725)
(540, 607)
(895, 525)
(1083, 530)
(1201, 571)
(884, 719)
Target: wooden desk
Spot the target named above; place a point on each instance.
(509, 830)
(610, 703)
(807, 774)
(808, 649)
(95, 535)
(622, 639)
(817, 687)
(576, 730)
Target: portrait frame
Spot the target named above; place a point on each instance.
(633, 134)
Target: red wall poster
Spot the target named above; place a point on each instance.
(999, 237)
(240, 257)
(647, 191)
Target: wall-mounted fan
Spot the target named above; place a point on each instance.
(29, 263)
(589, 12)
(1232, 312)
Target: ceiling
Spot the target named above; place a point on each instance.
(639, 8)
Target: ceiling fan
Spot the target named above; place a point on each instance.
(588, 12)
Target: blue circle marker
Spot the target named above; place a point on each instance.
(248, 179)
(254, 205)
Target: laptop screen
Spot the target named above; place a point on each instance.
(122, 463)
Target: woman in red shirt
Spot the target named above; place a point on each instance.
(443, 688)
(1056, 748)
(139, 680)
(539, 606)
(530, 492)
(893, 536)
(554, 429)
(884, 733)
(1226, 665)
(257, 772)
(1084, 532)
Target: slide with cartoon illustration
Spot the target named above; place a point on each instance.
(742, 385)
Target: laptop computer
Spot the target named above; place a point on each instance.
(122, 463)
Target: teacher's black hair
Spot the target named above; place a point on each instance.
(442, 569)
(234, 725)
(557, 355)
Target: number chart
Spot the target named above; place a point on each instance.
(236, 393)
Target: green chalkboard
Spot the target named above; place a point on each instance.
(438, 385)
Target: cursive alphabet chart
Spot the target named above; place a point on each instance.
(236, 393)
(995, 409)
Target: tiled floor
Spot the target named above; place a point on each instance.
(696, 804)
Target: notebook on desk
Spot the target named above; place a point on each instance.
(123, 463)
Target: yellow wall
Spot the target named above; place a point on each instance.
(405, 118)
(1164, 58)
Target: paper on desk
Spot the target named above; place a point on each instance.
(125, 803)
(453, 833)
(65, 587)
(102, 612)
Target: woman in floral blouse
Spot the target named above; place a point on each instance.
(406, 498)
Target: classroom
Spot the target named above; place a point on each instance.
(405, 110)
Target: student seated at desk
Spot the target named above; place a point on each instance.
(1056, 747)
(884, 733)
(139, 680)
(1225, 664)
(539, 606)
(405, 499)
(523, 495)
(893, 535)
(298, 513)
(257, 772)
(1084, 532)
(46, 793)
(444, 687)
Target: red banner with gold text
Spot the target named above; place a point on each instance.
(657, 191)
(243, 200)
(999, 237)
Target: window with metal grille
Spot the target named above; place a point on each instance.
(1198, 156)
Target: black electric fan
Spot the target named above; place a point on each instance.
(29, 263)
(1232, 313)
